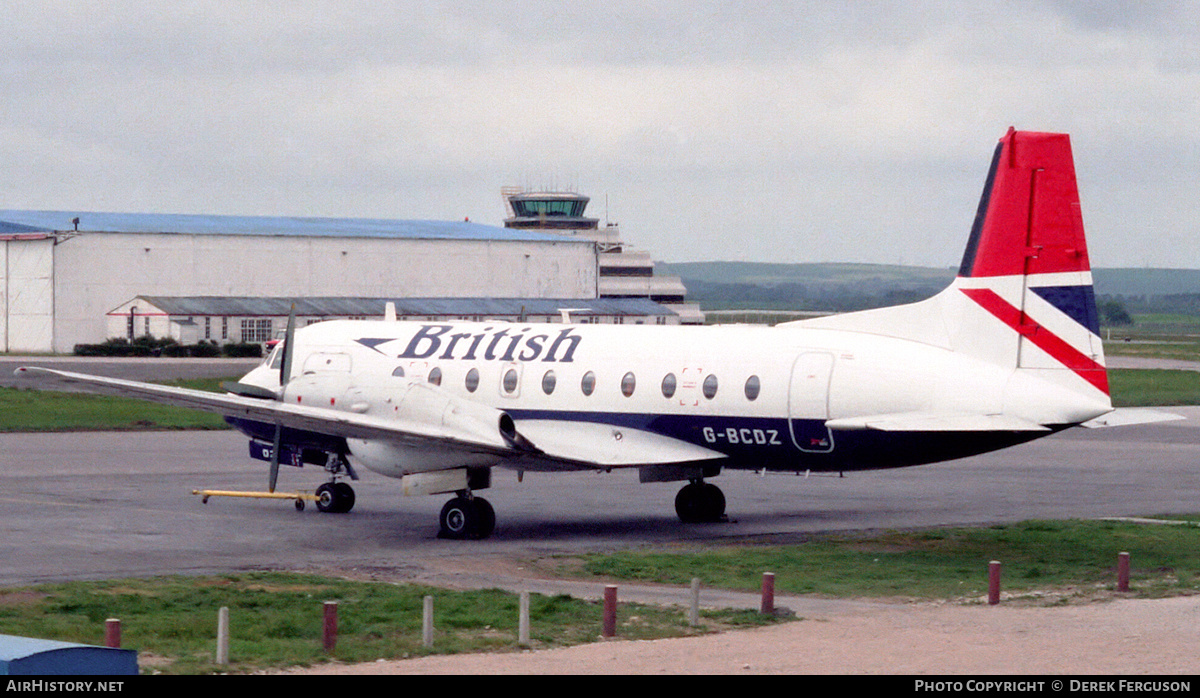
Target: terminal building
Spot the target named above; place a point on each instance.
(70, 278)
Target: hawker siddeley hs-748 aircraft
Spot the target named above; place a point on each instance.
(1010, 352)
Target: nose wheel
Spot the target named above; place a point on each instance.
(335, 498)
(467, 517)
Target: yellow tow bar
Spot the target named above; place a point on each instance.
(298, 497)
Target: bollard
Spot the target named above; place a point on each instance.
(330, 628)
(694, 613)
(1122, 571)
(112, 632)
(768, 594)
(610, 611)
(993, 582)
(223, 635)
(523, 620)
(427, 623)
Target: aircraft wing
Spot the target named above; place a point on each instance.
(936, 421)
(324, 421)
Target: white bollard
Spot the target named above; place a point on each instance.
(523, 620)
(427, 623)
(223, 635)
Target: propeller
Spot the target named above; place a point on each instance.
(285, 373)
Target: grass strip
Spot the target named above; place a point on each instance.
(276, 619)
(45, 410)
(1075, 559)
(1153, 387)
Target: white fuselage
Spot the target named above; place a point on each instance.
(759, 395)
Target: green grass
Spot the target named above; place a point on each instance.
(43, 410)
(1080, 556)
(276, 619)
(1153, 387)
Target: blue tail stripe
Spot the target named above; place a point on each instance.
(1077, 302)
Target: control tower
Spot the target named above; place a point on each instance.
(624, 272)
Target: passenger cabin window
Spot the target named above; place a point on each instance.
(435, 376)
(398, 372)
(510, 380)
(588, 384)
(752, 388)
(628, 383)
(548, 382)
(472, 380)
(710, 386)
(668, 385)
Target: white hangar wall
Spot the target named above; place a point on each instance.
(27, 293)
(96, 272)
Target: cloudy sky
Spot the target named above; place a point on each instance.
(756, 131)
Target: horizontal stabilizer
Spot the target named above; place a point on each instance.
(935, 421)
(607, 445)
(1127, 416)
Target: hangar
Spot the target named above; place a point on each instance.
(189, 320)
(62, 273)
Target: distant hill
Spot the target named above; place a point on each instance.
(842, 287)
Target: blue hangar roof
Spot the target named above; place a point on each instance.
(194, 224)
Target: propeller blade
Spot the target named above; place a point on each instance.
(285, 373)
(285, 369)
(274, 475)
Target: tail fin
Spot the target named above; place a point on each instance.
(1026, 263)
(1023, 297)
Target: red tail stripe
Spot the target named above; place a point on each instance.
(1083, 365)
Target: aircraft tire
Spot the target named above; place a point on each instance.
(700, 502)
(335, 498)
(458, 519)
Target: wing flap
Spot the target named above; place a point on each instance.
(607, 445)
(935, 421)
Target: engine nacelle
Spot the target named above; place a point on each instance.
(421, 408)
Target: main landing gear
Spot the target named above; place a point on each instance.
(467, 517)
(700, 502)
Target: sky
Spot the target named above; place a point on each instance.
(749, 131)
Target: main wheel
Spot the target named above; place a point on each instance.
(464, 518)
(700, 502)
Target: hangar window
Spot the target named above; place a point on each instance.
(710, 386)
(752, 388)
(398, 372)
(668, 385)
(548, 382)
(253, 330)
(628, 383)
(588, 384)
(472, 380)
(510, 380)
(435, 375)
